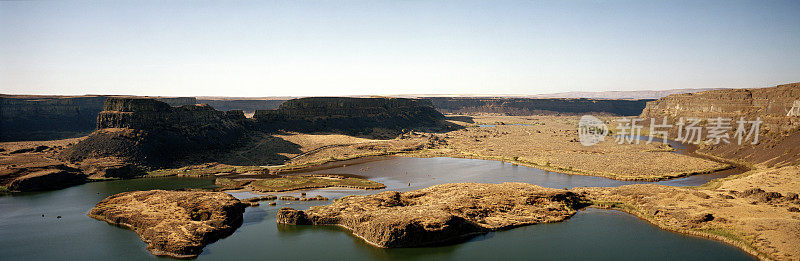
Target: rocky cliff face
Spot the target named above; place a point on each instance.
(775, 106)
(32, 172)
(55, 117)
(351, 115)
(152, 133)
(247, 105)
(528, 106)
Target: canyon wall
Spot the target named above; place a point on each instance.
(152, 133)
(529, 106)
(25, 117)
(778, 107)
(773, 105)
(351, 115)
(249, 106)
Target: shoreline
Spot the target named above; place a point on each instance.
(626, 208)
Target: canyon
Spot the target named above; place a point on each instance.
(778, 134)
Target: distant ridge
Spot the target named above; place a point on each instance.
(605, 95)
(656, 94)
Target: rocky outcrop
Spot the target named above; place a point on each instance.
(773, 105)
(173, 223)
(29, 117)
(779, 133)
(440, 214)
(351, 115)
(110, 168)
(531, 106)
(151, 133)
(34, 172)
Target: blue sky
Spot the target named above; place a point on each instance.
(287, 48)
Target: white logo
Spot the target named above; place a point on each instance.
(795, 111)
(591, 130)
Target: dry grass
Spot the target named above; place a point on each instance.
(288, 183)
(208, 169)
(755, 220)
(551, 142)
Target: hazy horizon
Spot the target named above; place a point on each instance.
(326, 48)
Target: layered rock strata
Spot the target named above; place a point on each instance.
(153, 134)
(351, 115)
(776, 107)
(536, 106)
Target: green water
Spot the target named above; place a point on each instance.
(591, 234)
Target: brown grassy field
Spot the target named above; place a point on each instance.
(756, 211)
(288, 183)
(546, 142)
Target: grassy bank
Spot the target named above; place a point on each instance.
(727, 235)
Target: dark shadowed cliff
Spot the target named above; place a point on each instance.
(24, 117)
(352, 115)
(152, 133)
(528, 106)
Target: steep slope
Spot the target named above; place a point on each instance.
(153, 134)
(778, 107)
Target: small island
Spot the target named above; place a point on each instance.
(298, 182)
(440, 214)
(173, 223)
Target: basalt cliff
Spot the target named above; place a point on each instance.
(31, 117)
(154, 134)
(777, 107)
(386, 116)
(151, 133)
(530, 106)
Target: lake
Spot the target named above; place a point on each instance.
(590, 234)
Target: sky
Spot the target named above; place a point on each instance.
(330, 48)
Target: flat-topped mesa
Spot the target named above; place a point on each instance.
(537, 106)
(151, 133)
(351, 115)
(29, 117)
(149, 114)
(778, 107)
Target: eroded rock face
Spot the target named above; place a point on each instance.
(440, 214)
(537, 106)
(151, 133)
(778, 107)
(173, 223)
(34, 172)
(36, 117)
(351, 115)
